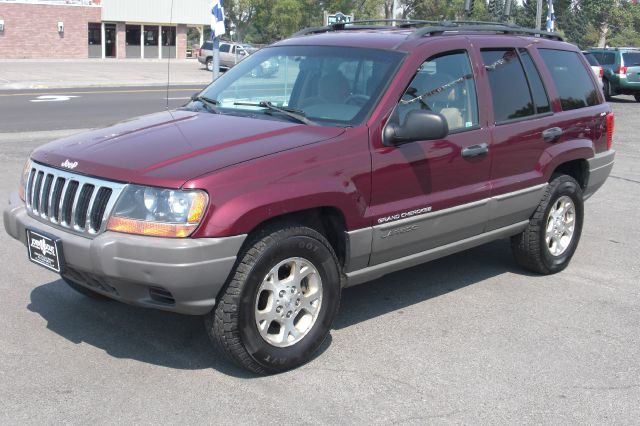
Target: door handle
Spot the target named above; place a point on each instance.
(475, 150)
(552, 134)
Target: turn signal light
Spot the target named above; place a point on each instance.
(610, 126)
(152, 229)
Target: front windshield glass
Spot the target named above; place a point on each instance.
(332, 86)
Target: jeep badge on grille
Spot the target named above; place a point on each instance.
(69, 165)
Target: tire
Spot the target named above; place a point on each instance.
(637, 96)
(85, 291)
(261, 346)
(531, 249)
(209, 64)
(606, 88)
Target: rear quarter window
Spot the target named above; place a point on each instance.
(631, 59)
(572, 79)
(592, 60)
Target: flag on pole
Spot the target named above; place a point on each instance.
(551, 17)
(217, 18)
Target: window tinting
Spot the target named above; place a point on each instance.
(631, 59)
(591, 59)
(224, 48)
(509, 87)
(443, 84)
(608, 58)
(572, 79)
(540, 99)
(207, 45)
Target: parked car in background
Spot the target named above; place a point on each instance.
(595, 66)
(621, 70)
(230, 54)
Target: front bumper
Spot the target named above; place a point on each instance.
(172, 274)
(599, 168)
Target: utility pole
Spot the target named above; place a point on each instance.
(539, 15)
(393, 12)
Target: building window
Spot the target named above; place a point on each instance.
(95, 34)
(133, 35)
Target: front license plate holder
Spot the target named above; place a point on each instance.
(45, 250)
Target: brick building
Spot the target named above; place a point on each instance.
(71, 29)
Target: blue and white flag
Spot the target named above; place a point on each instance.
(217, 18)
(551, 17)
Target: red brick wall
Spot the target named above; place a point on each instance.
(31, 30)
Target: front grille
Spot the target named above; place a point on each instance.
(70, 201)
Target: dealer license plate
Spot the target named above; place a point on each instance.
(45, 250)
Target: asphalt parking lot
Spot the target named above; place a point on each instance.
(481, 343)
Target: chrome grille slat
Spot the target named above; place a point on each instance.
(56, 196)
(90, 207)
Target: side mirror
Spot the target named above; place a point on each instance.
(419, 125)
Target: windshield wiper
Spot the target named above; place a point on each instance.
(296, 114)
(209, 103)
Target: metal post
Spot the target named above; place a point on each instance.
(393, 12)
(104, 41)
(159, 41)
(216, 57)
(539, 15)
(141, 41)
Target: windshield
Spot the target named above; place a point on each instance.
(331, 86)
(631, 59)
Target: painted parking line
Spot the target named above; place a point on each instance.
(53, 98)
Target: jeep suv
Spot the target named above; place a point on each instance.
(376, 148)
(230, 54)
(621, 70)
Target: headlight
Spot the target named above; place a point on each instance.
(158, 212)
(24, 178)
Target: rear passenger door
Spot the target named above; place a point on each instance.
(521, 114)
(426, 194)
(531, 120)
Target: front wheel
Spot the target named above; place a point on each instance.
(280, 303)
(637, 96)
(548, 243)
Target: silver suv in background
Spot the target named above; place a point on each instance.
(230, 54)
(595, 67)
(233, 53)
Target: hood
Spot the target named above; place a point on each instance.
(169, 148)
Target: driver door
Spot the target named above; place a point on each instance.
(434, 192)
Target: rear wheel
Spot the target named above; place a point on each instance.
(210, 64)
(85, 291)
(548, 243)
(606, 88)
(280, 303)
(637, 96)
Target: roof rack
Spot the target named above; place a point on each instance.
(480, 26)
(429, 27)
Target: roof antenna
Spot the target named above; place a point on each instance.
(175, 48)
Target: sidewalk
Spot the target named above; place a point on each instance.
(46, 74)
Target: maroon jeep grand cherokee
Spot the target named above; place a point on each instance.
(371, 150)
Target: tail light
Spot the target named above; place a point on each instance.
(610, 126)
(200, 52)
(601, 72)
(622, 70)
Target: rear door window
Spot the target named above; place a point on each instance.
(608, 58)
(224, 48)
(572, 79)
(512, 96)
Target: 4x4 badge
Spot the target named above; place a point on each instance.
(69, 165)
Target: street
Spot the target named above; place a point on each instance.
(467, 339)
